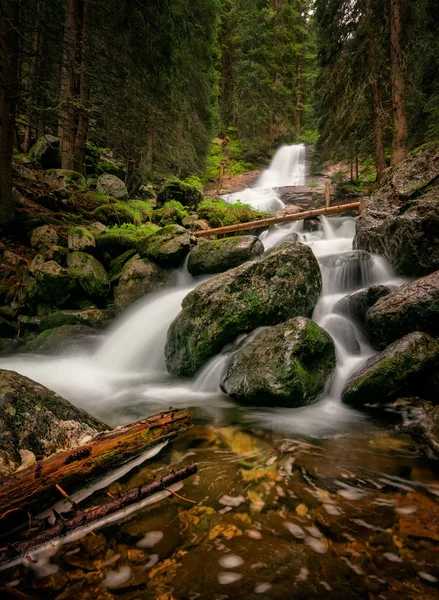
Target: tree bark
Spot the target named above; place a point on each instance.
(82, 129)
(378, 114)
(33, 489)
(400, 127)
(298, 97)
(8, 99)
(94, 514)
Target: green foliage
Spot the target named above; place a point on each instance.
(122, 238)
(142, 208)
(219, 213)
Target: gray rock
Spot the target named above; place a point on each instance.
(90, 273)
(357, 304)
(168, 246)
(401, 220)
(80, 239)
(285, 365)
(35, 422)
(265, 292)
(401, 370)
(90, 317)
(412, 307)
(217, 256)
(113, 186)
(43, 238)
(53, 285)
(47, 152)
(138, 277)
(343, 332)
(65, 179)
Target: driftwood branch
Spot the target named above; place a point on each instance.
(273, 220)
(82, 518)
(34, 489)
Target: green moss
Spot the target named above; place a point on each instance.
(142, 208)
(120, 239)
(219, 213)
(117, 212)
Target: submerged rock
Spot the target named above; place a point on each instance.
(285, 284)
(113, 186)
(357, 304)
(168, 246)
(138, 277)
(90, 273)
(412, 307)
(35, 422)
(217, 256)
(285, 365)
(344, 332)
(348, 270)
(402, 369)
(401, 220)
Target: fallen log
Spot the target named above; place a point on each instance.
(34, 489)
(80, 518)
(273, 220)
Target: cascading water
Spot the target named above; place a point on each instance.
(126, 377)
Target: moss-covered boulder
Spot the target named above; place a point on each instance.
(168, 246)
(43, 238)
(186, 193)
(118, 240)
(80, 239)
(59, 339)
(46, 152)
(194, 223)
(283, 285)
(358, 303)
(171, 212)
(403, 369)
(219, 213)
(216, 256)
(285, 365)
(35, 422)
(65, 179)
(90, 274)
(138, 277)
(412, 307)
(53, 285)
(58, 254)
(401, 220)
(90, 317)
(113, 186)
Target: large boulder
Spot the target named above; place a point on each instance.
(35, 422)
(168, 246)
(412, 307)
(113, 186)
(64, 179)
(90, 317)
(285, 365)
(401, 220)
(347, 270)
(403, 369)
(53, 285)
(358, 303)
(43, 238)
(90, 273)
(187, 194)
(285, 284)
(80, 239)
(138, 277)
(217, 256)
(46, 152)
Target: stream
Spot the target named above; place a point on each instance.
(289, 502)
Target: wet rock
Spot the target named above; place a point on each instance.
(286, 365)
(357, 304)
(412, 307)
(431, 429)
(138, 277)
(7, 328)
(46, 152)
(113, 186)
(168, 246)
(185, 193)
(401, 220)
(80, 239)
(35, 419)
(285, 284)
(90, 273)
(289, 237)
(43, 238)
(58, 339)
(91, 317)
(10, 345)
(344, 332)
(402, 369)
(348, 270)
(218, 256)
(194, 223)
(53, 285)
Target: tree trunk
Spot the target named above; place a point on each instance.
(82, 130)
(298, 97)
(8, 99)
(33, 489)
(378, 115)
(400, 128)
